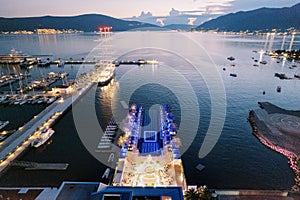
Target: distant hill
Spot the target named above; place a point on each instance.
(264, 19)
(88, 23)
(179, 27)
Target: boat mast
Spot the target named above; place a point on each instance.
(9, 81)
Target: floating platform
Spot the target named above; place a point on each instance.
(49, 166)
(200, 167)
(39, 166)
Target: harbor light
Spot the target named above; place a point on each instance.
(3, 132)
(11, 155)
(2, 163)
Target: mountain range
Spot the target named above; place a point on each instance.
(87, 23)
(263, 19)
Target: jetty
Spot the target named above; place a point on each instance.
(106, 141)
(135, 62)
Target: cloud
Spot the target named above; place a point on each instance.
(193, 12)
(191, 20)
(215, 9)
(161, 21)
(208, 8)
(174, 12)
(216, 6)
(145, 15)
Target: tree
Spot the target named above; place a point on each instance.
(191, 194)
(201, 193)
(204, 193)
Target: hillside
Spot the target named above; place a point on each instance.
(88, 23)
(184, 27)
(264, 19)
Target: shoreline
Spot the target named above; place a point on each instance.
(260, 129)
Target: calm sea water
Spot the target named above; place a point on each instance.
(191, 78)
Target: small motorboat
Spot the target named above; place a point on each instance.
(233, 74)
(278, 89)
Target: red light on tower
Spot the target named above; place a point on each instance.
(105, 29)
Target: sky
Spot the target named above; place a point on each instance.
(130, 8)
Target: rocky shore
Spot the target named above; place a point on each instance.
(279, 129)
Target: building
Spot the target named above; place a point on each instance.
(150, 156)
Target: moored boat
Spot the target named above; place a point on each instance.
(263, 62)
(43, 137)
(3, 124)
(231, 58)
(44, 63)
(13, 57)
(106, 75)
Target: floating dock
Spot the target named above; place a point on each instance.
(200, 167)
(39, 166)
(49, 166)
(134, 62)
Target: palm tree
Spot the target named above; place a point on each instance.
(191, 194)
(204, 193)
(201, 193)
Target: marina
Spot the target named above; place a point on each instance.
(11, 78)
(37, 131)
(26, 61)
(37, 98)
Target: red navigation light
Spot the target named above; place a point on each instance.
(105, 29)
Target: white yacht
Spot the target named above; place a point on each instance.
(43, 137)
(3, 124)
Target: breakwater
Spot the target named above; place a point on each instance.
(260, 128)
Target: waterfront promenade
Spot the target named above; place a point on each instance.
(15, 144)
